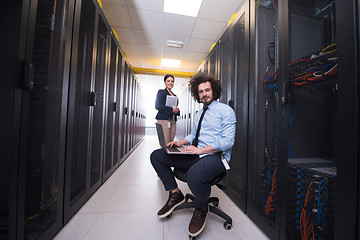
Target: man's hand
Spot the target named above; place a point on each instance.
(174, 143)
(192, 149)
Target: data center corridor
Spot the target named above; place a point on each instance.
(125, 207)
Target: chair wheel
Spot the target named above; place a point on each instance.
(227, 225)
(169, 216)
(193, 237)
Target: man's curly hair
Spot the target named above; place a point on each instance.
(201, 77)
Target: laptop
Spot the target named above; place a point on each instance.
(168, 150)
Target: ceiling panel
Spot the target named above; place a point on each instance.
(199, 45)
(149, 21)
(219, 10)
(149, 51)
(193, 56)
(125, 35)
(131, 49)
(178, 25)
(119, 2)
(117, 15)
(154, 5)
(173, 53)
(148, 38)
(206, 29)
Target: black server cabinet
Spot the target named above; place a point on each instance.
(311, 106)
(85, 129)
(33, 113)
(237, 36)
(130, 111)
(348, 35)
(125, 99)
(264, 127)
(99, 109)
(110, 137)
(132, 115)
(81, 101)
(119, 109)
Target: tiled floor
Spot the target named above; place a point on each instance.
(125, 207)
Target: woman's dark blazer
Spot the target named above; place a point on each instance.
(164, 112)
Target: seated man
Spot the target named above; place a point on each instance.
(216, 138)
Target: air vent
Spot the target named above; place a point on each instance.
(175, 44)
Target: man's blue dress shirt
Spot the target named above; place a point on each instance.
(217, 128)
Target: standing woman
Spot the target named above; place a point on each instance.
(166, 116)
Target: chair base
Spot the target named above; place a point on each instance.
(213, 202)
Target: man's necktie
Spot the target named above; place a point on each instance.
(196, 140)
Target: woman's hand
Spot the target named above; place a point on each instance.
(176, 110)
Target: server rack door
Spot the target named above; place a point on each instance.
(237, 176)
(14, 20)
(119, 108)
(347, 222)
(206, 67)
(136, 128)
(109, 159)
(97, 125)
(134, 113)
(129, 116)
(125, 107)
(132, 116)
(81, 103)
(41, 142)
(213, 61)
(225, 64)
(312, 110)
(263, 183)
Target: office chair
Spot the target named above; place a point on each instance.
(213, 202)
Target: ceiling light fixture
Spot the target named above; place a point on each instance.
(175, 44)
(165, 62)
(183, 7)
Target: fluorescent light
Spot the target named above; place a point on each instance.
(165, 62)
(183, 7)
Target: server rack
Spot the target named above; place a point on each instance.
(263, 199)
(238, 38)
(34, 57)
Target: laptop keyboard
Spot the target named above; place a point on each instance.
(173, 149)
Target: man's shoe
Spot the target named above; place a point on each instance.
(198, 220)
(175, 199)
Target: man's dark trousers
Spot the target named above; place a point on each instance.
(201, 171)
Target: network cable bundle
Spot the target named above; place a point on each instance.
(321, 203)
(269, 189)
(314, 68)
(299, 199)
